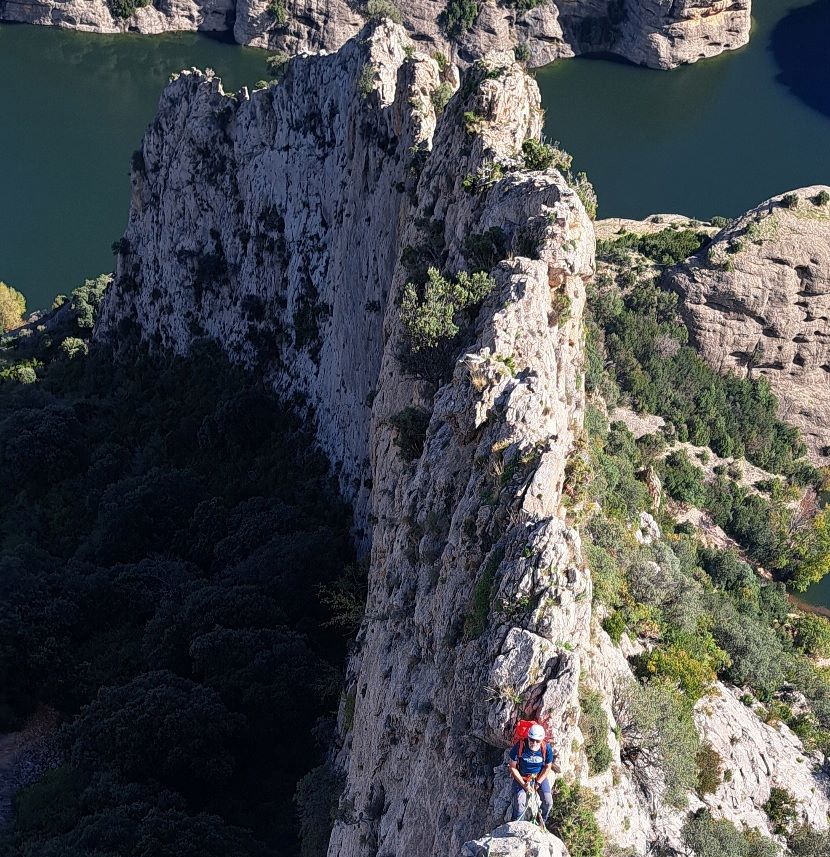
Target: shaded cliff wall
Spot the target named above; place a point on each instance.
(270, 222)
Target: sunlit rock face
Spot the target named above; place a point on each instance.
(647, 32)
(757, 302)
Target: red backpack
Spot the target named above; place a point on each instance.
(520, 736)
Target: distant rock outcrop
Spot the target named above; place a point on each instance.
(757, 302)
(647, 32)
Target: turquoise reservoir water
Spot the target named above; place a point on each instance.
(716, 137)
(73, 107)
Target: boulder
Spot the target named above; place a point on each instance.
(517, 839)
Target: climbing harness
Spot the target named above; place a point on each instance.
(533, 808)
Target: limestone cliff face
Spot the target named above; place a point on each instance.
(656, 33)
(757, 302)
(275, 224)
(758, 756)
(282, 224)
(272, 221)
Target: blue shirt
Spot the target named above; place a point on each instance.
(531, 761)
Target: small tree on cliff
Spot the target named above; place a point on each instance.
(12, 307)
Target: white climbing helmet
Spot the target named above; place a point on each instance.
(536, 732)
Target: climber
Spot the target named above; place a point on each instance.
(530, 763)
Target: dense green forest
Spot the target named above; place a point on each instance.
(169, 540)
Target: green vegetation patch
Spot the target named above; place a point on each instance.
(435, 313)
(411, 426)
(666, 247)
(458, 17)
(377, 10)
(12, 307)
(475, 622)
(709, 837)
(572, 819)
(126, 8)
(593, 721)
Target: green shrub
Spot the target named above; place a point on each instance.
(475, 621)
(754, 650)
(484, 177)
(278, 11)
(812, 635)
(458, 17)
(522, 52)
(440, 97)
(276, 63)
(667, 247)
(689, 661)
(790, 200)
(810, 551)
(683, 480)
(586, 193)
(614, 626)
(125, 8)
(806, 842)
(430, 314)
(593, 721)
(12, 307)
(317, 797)
(366, 81)
(441, 59)
(719, 221)
(377, 10)
(708, 837)
(821, 198)
(72, 347)
(709, 770)
(539, 155)
(606, 574)
(781, 809)
(411, 425)
(658, 739)
(572, 820)
(730, 573)
(484, 250)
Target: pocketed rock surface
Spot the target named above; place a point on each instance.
(757, 303)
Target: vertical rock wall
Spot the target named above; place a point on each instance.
(270, 221)
(274, 224)
(282, 224)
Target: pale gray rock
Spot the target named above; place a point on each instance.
(648, 530)
(759, 756)
(757, 303)
(654, 33)
(253, 217)
(274, 223)
(517, 839)
(95, 16)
